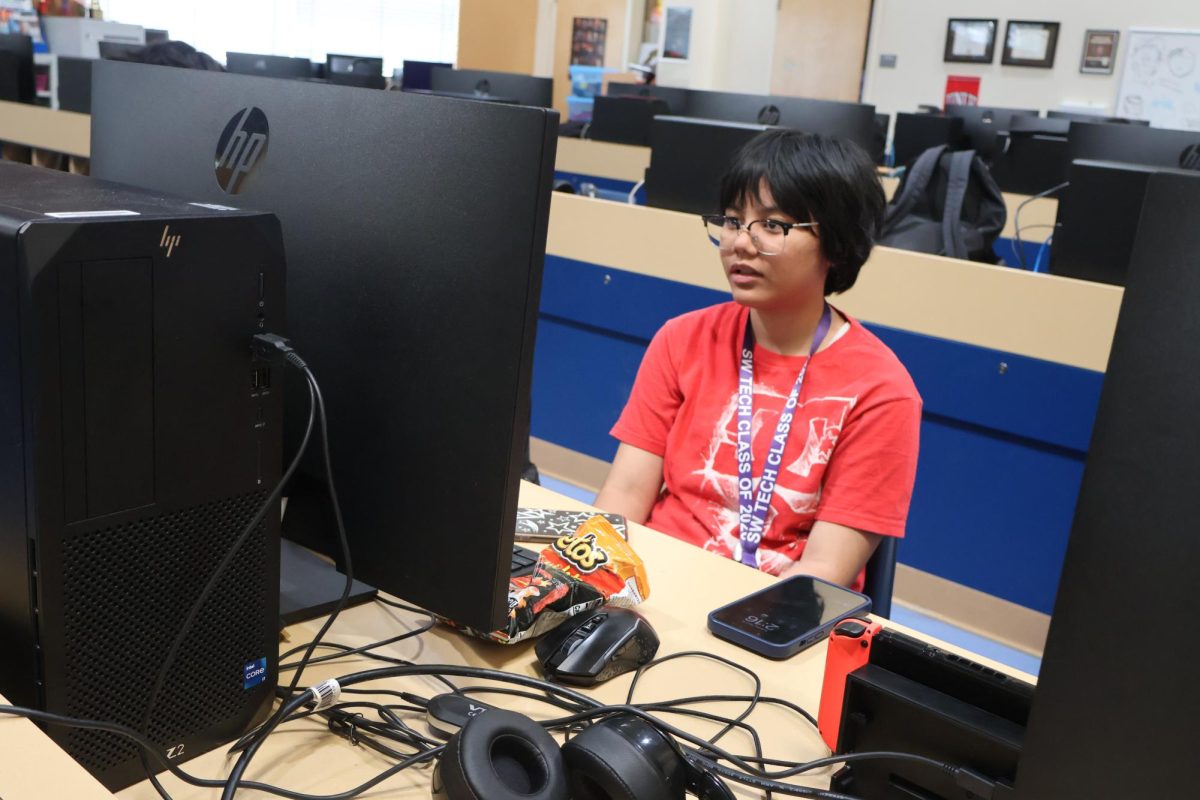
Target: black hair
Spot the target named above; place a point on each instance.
(813, 178)
(173, 54)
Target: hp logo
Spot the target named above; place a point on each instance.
(242, 144)
(1190, 157)
(769, 115)
(483, 87)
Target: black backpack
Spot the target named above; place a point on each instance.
(947, 204)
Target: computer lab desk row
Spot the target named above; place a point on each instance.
(620, 167)
(685, 583)
(614, 165)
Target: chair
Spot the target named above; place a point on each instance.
(880, 577)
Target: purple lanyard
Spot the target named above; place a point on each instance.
(752, 511)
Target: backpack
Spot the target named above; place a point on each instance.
(947, 204)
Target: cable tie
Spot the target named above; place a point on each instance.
(325, 694)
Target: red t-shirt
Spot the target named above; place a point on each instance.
(851, 457)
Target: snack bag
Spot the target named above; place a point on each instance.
(575, 573)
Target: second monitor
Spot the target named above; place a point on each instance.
(527, 90)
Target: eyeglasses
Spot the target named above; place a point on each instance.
(768, 240)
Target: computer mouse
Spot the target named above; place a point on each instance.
(594, 646)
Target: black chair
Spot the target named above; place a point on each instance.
(881, 576)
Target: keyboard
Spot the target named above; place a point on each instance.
(523, 561)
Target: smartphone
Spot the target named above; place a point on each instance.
(788, 616)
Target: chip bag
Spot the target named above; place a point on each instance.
(575, 573)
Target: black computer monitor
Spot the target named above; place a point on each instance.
(1134, 144)
(854, 122)
(1097, 220)
(916, 133)
(363, 71)
(75, 84)
(982, 126)
(529, 90)
(419, 74)
(687, 159)
(16, 68)
(878, 151)
(1114, 714)
(121, 51)
(1076, 116)
(414, 274)
(625, 119)
(1033, 157)
(268, 66)
(675, 98)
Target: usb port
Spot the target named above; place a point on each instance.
(260, 378)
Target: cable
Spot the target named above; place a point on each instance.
(632, 199)
(1041, 252)
(1017, 217)
(193, 613)
(748, 774)
(148, 746)
(347, 564)
(695, 653)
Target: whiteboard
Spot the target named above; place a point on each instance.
(1161, 78)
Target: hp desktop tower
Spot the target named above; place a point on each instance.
(137, 440)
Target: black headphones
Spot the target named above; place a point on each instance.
(500, 755)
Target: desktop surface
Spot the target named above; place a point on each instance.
(305, 757)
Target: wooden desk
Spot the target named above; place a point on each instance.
(685, 584)
(33, 126)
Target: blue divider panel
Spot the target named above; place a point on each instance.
(1002, 448)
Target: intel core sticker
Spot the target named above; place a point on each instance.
(254, 673)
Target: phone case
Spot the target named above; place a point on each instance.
(756, 642)
(849, 648)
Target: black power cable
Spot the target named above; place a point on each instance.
(205, 593)
(745, 772)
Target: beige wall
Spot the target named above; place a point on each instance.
(819, 48)
(731, 47)
(498, 36)
(915, 31)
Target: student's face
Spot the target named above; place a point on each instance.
(785, 280)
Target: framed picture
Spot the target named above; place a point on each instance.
(972, 41)
(677, 33)
(1099, 52)
(588, 37)
(1029, 44)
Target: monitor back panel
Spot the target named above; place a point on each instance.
(1134, 144)
(1097, 221)
(415, 231)
(528, 89)
(1114, 715)
(688, 158)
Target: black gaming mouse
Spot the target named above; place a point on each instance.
(593, 646)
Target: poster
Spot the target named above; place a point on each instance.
(588, 36)
(677, 33)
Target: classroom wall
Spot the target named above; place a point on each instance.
(731, 50)
(498, 36)
(915, 32)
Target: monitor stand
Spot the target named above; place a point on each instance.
(310, 587)
(309, 584)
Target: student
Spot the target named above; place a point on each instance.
(711, 461)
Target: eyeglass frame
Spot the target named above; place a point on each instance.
(746, 226)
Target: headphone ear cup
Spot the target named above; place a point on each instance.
(624, 758)
(500, 755)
